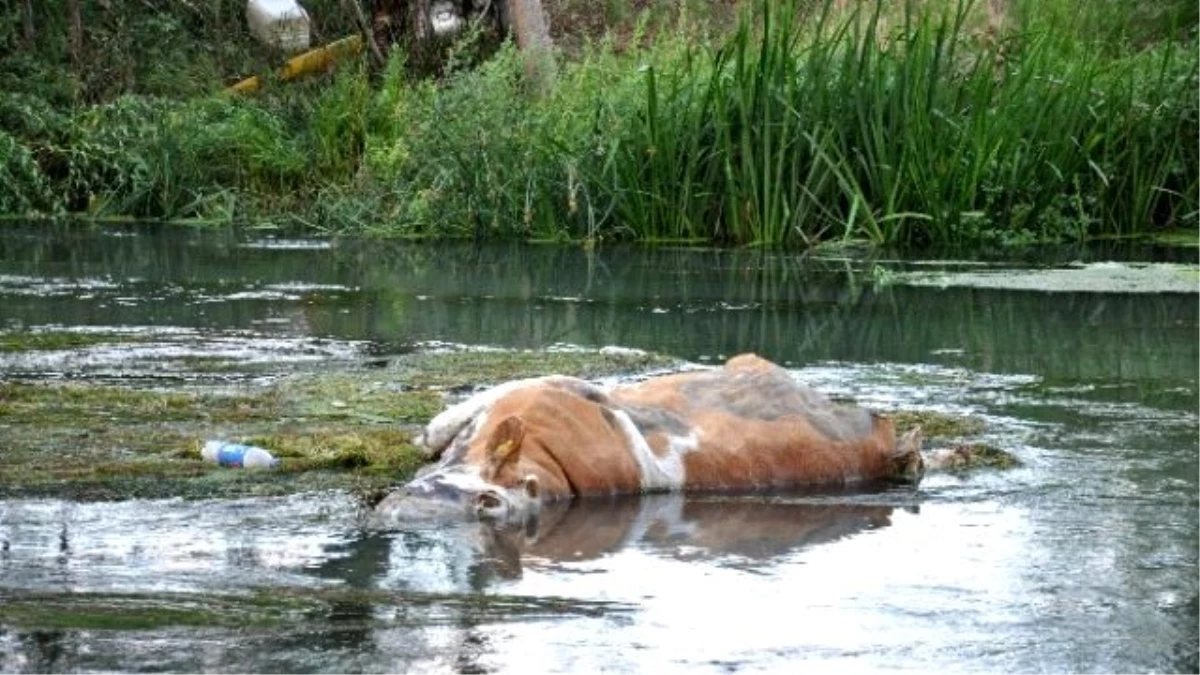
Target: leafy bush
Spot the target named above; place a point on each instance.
(23, 188)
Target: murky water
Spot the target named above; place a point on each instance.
(1084, 559)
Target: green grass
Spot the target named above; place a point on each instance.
(912, 124)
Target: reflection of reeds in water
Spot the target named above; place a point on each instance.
(685, 302)
(694, 303)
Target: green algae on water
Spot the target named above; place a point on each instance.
(473, 368)
(278, 607)
(117, 611)
(26, 341)
(936, 425)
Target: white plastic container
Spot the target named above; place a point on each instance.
(444, 19)
(279, 23)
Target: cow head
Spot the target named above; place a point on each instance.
(486, 479)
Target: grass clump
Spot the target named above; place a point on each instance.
(377, 450)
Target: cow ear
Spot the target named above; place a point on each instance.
(504, 445)
(910, 441)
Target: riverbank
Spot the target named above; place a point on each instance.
(1000, 122)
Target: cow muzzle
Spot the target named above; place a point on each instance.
(433, 498)
(406, 504)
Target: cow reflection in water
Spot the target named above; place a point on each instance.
(443, 574)
(743, 531)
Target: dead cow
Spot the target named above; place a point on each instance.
(748, 425)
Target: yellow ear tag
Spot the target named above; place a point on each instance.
(502, 451)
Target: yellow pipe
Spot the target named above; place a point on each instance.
(309, 62)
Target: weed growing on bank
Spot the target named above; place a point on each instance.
(925, 123)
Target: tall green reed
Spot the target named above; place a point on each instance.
(807, 125)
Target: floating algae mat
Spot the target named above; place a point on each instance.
(1104, 277)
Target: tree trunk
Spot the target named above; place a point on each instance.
(365, 29)
(75, 20)
(27, 22)
(533, 37)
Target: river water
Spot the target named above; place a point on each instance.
(1083, 559)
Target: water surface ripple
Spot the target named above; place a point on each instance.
(1083, 559)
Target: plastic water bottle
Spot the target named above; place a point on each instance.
(237, 455)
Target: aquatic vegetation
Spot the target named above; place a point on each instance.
(984, 455)
(107, 611)
(1144, 278)
(970, 456)
(961, 454)
(1180, 238)
(277, 607)
(66, 402)
(22, 341)
(458, 369)
(936, 425)
(376, 456)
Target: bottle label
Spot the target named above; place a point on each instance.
(232, 455)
